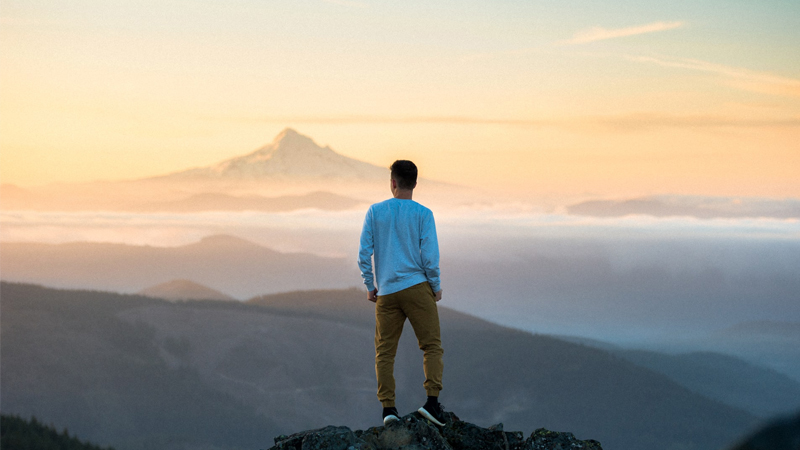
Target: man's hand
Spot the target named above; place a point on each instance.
(438, 295)
(372, 296)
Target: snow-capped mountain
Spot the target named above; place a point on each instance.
(289, 173)
(290, 155)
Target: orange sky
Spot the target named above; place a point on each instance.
(547, 102)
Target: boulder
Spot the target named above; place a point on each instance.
(413, 432)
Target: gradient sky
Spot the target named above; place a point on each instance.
(615, 98)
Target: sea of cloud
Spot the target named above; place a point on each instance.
(627, 278)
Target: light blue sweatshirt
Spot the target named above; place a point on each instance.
(401, 234)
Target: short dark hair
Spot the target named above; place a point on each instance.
(405, 173)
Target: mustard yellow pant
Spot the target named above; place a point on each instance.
(418, 304)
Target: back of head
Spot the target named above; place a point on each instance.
(405, 174)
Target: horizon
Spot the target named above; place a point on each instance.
(549, 201)
(548, 196)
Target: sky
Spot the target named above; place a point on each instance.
(604, 99)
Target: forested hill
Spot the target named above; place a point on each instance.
(132, 371)
(17, 433)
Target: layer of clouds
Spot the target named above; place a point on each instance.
(617, 278)
(336, 232)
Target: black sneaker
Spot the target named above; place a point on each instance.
(390, 415)
(433, 411)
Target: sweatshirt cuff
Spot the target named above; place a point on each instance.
(436, 287)
(370, 286)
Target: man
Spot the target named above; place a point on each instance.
(401, 235)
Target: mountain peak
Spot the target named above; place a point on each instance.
(290, 138)
(287, 133)
(288, 144)
(291, 155)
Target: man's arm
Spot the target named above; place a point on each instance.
(365, 251)
(429, 252)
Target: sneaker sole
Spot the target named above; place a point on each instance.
(389, 419)
(429, 416)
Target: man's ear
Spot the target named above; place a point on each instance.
(394, 183)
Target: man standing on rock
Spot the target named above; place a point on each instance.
(401, 235)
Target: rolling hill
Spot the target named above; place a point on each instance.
(177, 290)
(225, 263)
(131, 371)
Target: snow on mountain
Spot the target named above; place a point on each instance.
(290, 155)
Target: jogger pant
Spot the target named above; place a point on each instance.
(418, 304)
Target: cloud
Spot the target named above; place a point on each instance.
(744, 79)
(375, 119)
(640, 121)
(635, 121)
(601, 34)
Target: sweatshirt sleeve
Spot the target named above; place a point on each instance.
(365, 251)
(429, 252)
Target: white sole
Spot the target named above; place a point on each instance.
(389, 419)
(429, 416)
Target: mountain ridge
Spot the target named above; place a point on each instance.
(236, 366)
(236, 266)
(182, 290)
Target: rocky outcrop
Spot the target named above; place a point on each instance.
(413, 432)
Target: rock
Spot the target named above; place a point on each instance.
(465, 436)
(413, 432)
(543, 439)
(328, 438)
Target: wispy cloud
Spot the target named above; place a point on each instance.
(601, 34)
(348, 3)
(633, 122)
(749, 80)
(640, 121)
(581, 37)
(370, 119)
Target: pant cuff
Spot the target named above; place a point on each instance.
(432, 392)
(387, 403)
